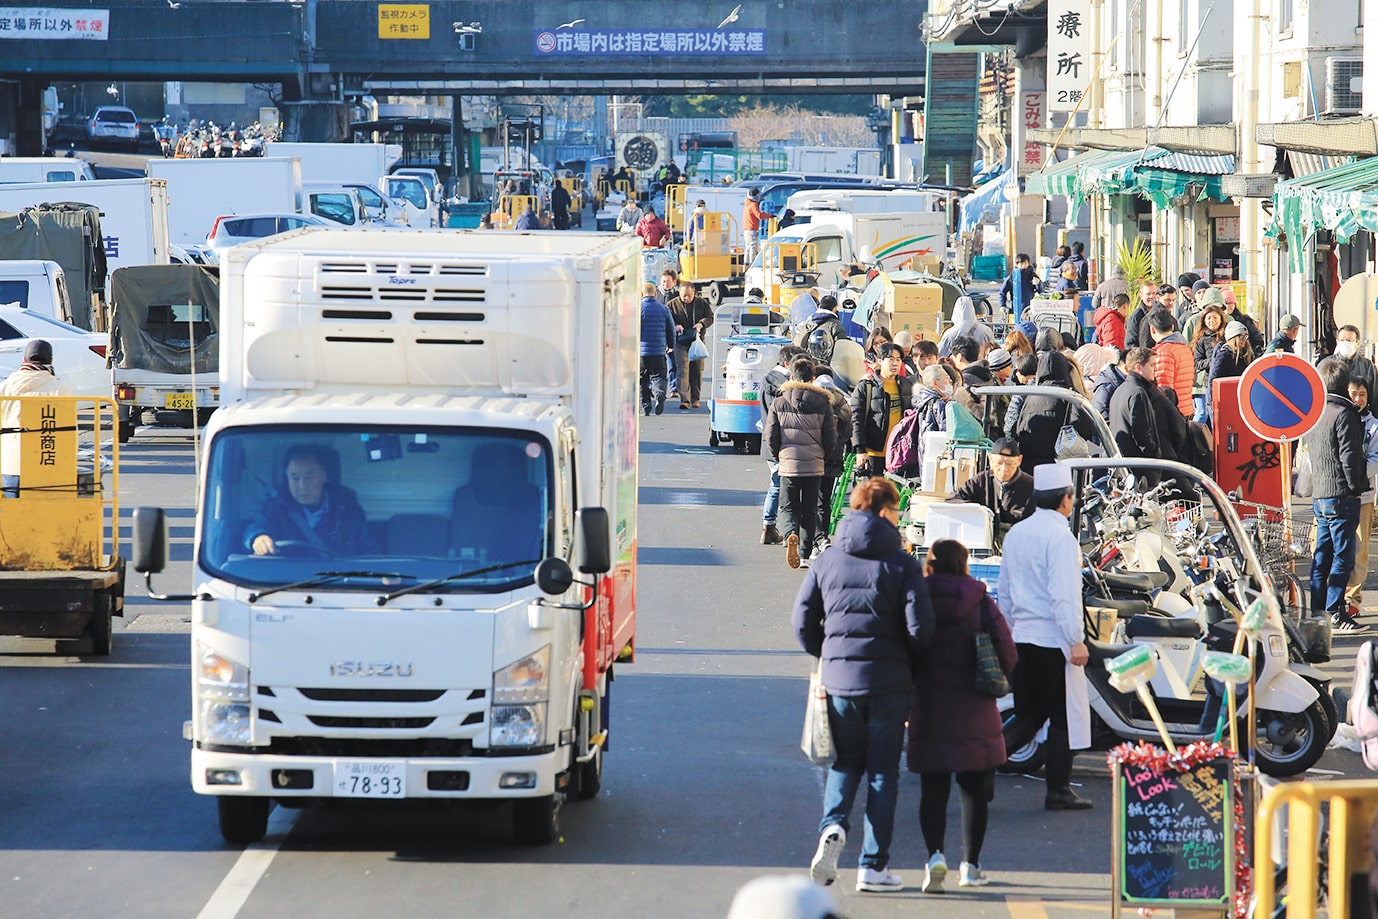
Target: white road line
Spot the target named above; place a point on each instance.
(229, 898)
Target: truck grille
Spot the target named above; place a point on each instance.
(352, 746)
(372, 695)
(337, 721)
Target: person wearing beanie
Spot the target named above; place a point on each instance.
(1211, 296)
(36, 376)
(1231, 356)
(1187, 287)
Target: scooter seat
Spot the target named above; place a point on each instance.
(1162, 627)
(1140, 581)
(1123, 608)
(1099, 652)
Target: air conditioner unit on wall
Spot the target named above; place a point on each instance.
(1343, 90)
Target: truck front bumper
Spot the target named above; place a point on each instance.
(472, 777)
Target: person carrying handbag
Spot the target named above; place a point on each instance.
(955, 726)
(864, 611)
(692, 316)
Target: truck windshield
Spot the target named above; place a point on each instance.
(398, 505)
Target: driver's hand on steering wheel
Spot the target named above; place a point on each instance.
(263, 545)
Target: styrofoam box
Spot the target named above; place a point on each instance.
(970, 524)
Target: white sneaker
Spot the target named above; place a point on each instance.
(972, 876)
(877, 880)
(935, 873)
(823, 868)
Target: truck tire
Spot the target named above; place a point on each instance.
(126, 430)
(101, 627)
(535, 821)
(713, 293)
(243, 820)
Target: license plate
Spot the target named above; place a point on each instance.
(370, 779)
(180, 400)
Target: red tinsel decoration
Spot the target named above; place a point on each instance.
(1147, 756)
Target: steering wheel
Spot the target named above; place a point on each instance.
(297, 548)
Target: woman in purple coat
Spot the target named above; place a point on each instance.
(952, 727)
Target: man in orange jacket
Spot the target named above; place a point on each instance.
(1175, 367)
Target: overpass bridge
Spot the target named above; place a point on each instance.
(318, 47)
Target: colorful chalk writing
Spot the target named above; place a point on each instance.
(1174, 835)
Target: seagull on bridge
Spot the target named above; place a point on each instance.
(569, 25)
(731, 17)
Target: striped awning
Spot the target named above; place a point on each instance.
(1343, 200)
(1155, 173)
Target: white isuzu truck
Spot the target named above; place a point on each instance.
(416, 528)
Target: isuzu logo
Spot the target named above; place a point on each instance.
(370, 668)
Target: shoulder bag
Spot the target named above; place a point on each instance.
(817, 742)
(1070, 444)
(990, 678)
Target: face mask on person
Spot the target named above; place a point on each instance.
(1346, 349)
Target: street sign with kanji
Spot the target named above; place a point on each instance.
(1281, 397)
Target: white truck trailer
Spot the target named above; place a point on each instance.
(463, 408)
(200, 190)
(339, 162)
(133, 214)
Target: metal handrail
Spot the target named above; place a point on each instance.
(1353, 805)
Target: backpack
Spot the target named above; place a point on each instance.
(904, 446)
(1199, 452)
(819, 338)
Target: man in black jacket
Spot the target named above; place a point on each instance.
(775, 379)
(1132, 419)
(1339, 478)
(1003, 488)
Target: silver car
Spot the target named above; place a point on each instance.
(115, 125)
(233, 229)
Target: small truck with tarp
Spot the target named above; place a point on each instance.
(423, 436)
(164, 352)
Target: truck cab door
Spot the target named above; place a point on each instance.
(832, 251)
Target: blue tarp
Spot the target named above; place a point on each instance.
(984, 201)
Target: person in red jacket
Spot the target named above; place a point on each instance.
(751, 223)
(653, 231)
(1175, 368)
(1109, 320)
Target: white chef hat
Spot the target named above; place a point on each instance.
(1052, 477)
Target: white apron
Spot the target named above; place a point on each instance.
(1078, 708)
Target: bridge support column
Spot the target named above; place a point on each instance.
(21, 117)
(315, 121)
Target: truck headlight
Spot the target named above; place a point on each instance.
(527, 680)
(521, 691)
(517, 725)
(226, 722)
(220, 678)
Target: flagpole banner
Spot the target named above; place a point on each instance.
(1069, 53)
(35, 22)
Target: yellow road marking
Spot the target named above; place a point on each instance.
(1038, 909)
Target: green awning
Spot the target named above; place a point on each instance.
(1153, 173)
(1343, 200)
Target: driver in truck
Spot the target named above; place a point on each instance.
(309, 510)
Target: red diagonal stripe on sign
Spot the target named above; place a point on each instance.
(1263, 380)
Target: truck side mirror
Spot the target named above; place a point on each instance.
(150, 540)
(554, 577)
(595, 540)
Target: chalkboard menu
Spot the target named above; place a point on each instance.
(1175, 839)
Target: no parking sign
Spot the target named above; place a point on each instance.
(1281, 397)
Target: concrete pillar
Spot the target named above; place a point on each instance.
(318, 121)
(29, 118)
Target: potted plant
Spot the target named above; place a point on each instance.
(1137, 264)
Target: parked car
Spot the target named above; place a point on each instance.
(190, 254)
(233, 229)
(114, 125)
(78, 355)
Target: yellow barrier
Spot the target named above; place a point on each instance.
(1352, 809)
(510, 207)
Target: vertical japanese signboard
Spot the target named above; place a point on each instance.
(1031, 116)
(1069, 53)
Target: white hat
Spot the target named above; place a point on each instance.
(1052, 477)
(1235, 328)
(781, 897)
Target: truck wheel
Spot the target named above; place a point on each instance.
(714, 294)
(712, 438)
(753, 444)
(126, 430)
(101, 627)
(243, 820)
(535, 821)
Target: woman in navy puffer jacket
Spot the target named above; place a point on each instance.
(864, 611)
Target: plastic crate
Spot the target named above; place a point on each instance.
(988, 268)
(987, 573)
(466, 216)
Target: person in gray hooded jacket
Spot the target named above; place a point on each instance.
(799, 434)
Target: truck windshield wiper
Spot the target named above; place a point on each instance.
(450, 579)
(325, 577)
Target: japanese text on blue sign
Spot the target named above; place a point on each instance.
(653, 41)
(35, 22)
